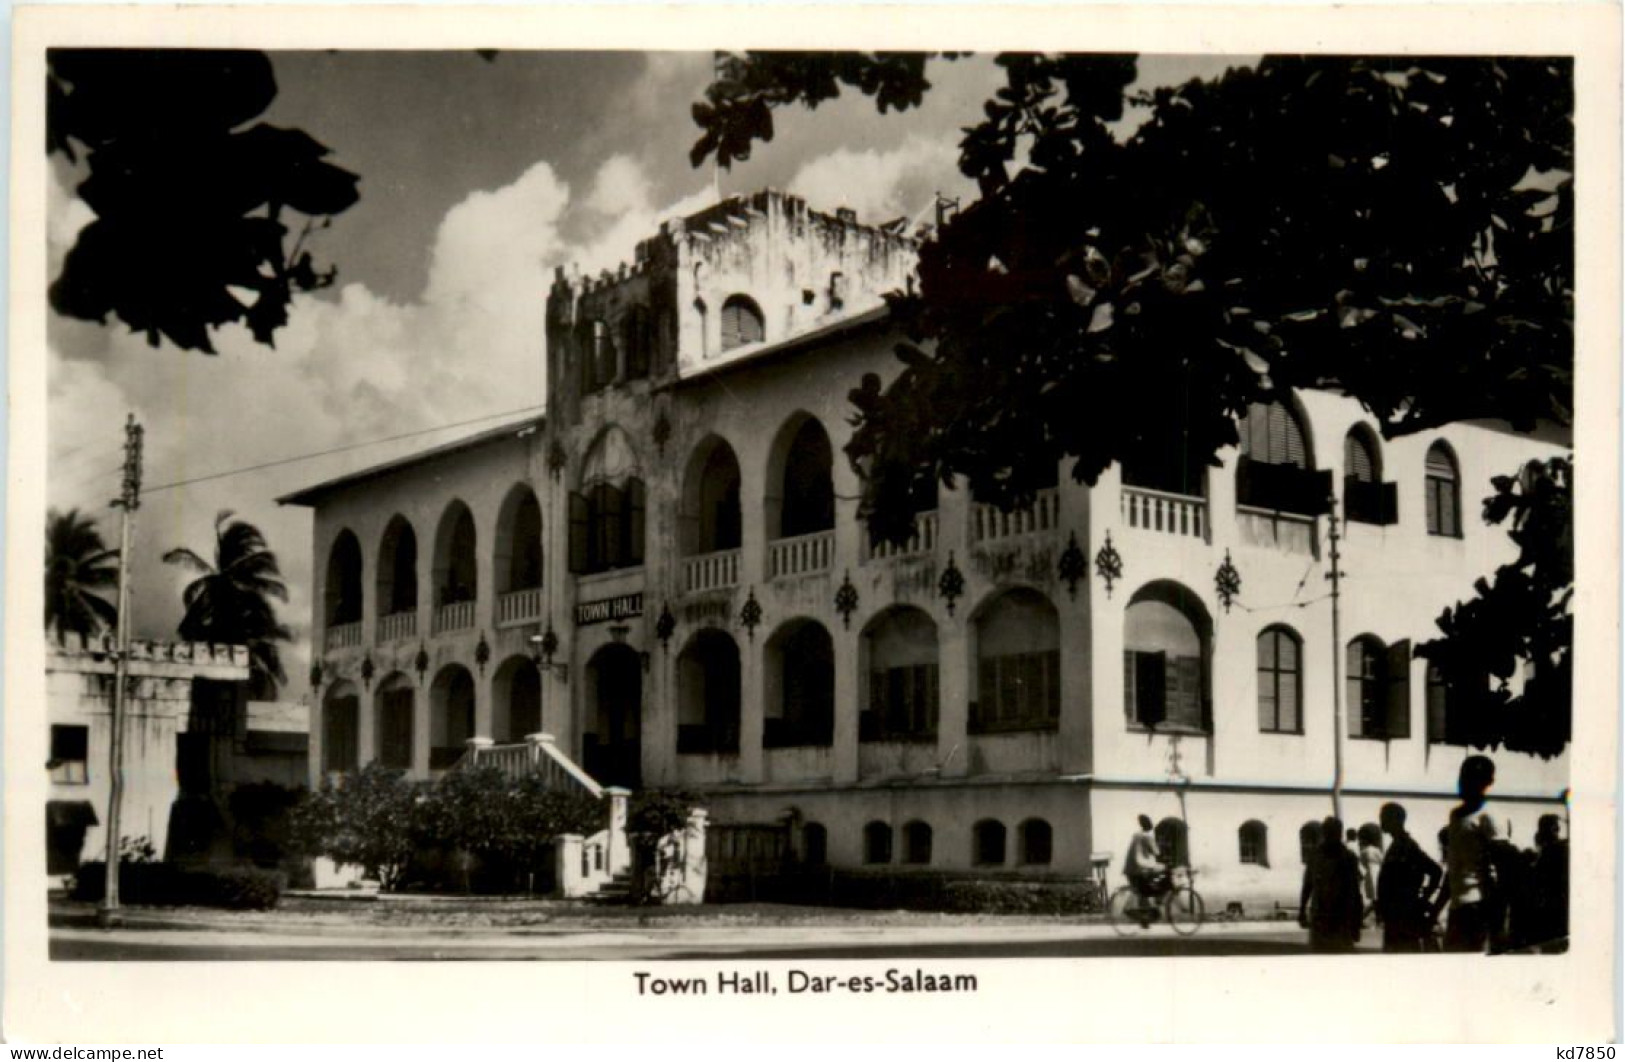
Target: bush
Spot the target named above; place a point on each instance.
(171, 885)
(260, 821)
(370, 819)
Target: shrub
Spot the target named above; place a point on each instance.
(168, 884)
(260, 820)
(370, 819)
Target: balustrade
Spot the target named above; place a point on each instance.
(989, 522)
(801, 555)
(711, 571)
(344, 636)
(457, 617)
(923, 540)
(397, 627)
(1171, 514)
(519, 607)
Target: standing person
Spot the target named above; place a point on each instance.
(1142, 865)
(1330, 905)
(1474, 904)
(1370, 855)
(1405, 887)
(1549, 885)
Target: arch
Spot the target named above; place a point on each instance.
(1362, 455)
(398, 568)
(710, 516)
(799, 701)
(800, 498)
(877, 843)
(1167, 652)
(1274, 433)
(517, 560)
(814, 844)
(742, 322)
(394, 705)
(899, 649)
(1018, 663)
(1377, 688)
(607, 514)
(611, 742)
(610, 459)
(516, 700)
(1443, 484)
(1173, 841)
(456, 561)
(1036, 841)
(917, 843)
(342, 590)
(1366, 498)
(1280, 680)
(1254, 840)
(451, 715)
(987, 843)
(341, 728)
(1276, 466)
(708, 694)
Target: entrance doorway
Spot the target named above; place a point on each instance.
(610, 745)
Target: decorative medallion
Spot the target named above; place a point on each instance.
(846, 600)
(662, 431)
(1073, 566)
(556, 458)
(1227, 581)
(366, 670)
(316, 675)
(952, 583)
(1109, 563)
(421, 661)
(750, 614)
(482, 653)
(665, 625)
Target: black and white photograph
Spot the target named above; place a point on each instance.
(803, 517)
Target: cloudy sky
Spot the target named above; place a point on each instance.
(477, 178)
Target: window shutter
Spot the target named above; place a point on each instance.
(1184, 691)
(1286, 690)
(1130, 709)
(1354, 688)
(1399, 690)
(931, 695)
(635, 520)
(1052, 684)
(1438, 701)
(1150, 687)
(1267, 663)
(579, 529)
(730, 327)
(1357, 460)
(987, 686)
(1388, 503)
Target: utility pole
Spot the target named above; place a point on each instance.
(128, 501)
(1336, 577)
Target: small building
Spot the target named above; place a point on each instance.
(669, 575)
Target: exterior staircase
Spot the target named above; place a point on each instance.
(616, 892)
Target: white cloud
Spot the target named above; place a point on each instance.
(881, 185)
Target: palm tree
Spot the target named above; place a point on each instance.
(78, 564)
(230, 600)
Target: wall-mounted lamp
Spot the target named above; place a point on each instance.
(542, 648)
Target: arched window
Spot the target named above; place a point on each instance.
(815, 844)
(1280, 681)
(711, 512)
(341, 728)
(901, 644)
(1443, 492)
(456, 569)
(1036, 840)
(1308, 841)
(987, 838)
(393, 703)
(519, 541)
(877, 843)
(1378, 698)
(451, 716)
(742, 322)
(801, 687)
(917, 843)
(708, 694)
(806, 488)
(1255, 845)
(1166, 640)
(343, 587)
(1276, 469)
(398, 574)
(1173, 841)
(1018, 664)
(1366, 498)
(607, 516)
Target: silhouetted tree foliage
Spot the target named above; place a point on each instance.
(79, 568)
(1400, 229)
(1518, 622)
(191, 200)
(231, 600)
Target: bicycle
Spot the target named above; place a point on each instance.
(1178, 903)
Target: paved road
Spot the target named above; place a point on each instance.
(1047, 941)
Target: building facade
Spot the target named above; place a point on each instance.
(669, 575)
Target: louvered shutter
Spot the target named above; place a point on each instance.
(1357, 462)
(1184, 691)
(1397, 694)
(932, 692)
(1354, 688)
(1438, 704)
(636, 510)
(1268, 708)
(580, 528)
(1052, 684)
(1150, 686)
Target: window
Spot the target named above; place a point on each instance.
(1274, 470)
(1255, 845)
(1173, 841)
(988, 843)
(519, 541)
(1165, 659)
(602, 353)
(456, 569)
(70, 755)
(741, 322)
(395, 723)
(902, 652)
(801, 663)
(711, 510)
(1280, 681)
(815, 844)
(343, 588)
(1450, 704)
(451, 716)
(917, 843)
(807, 489)
(607, 527)
(708, 695)
(1308, 841)
(1366, 499)
(1378, 689)
(1035, 843)
(877, 844)
(1018, 665)
(340, 731)
(638, 341)
(398, 568)
(1443, 493)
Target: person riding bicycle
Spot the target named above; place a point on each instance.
(1145, 866)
